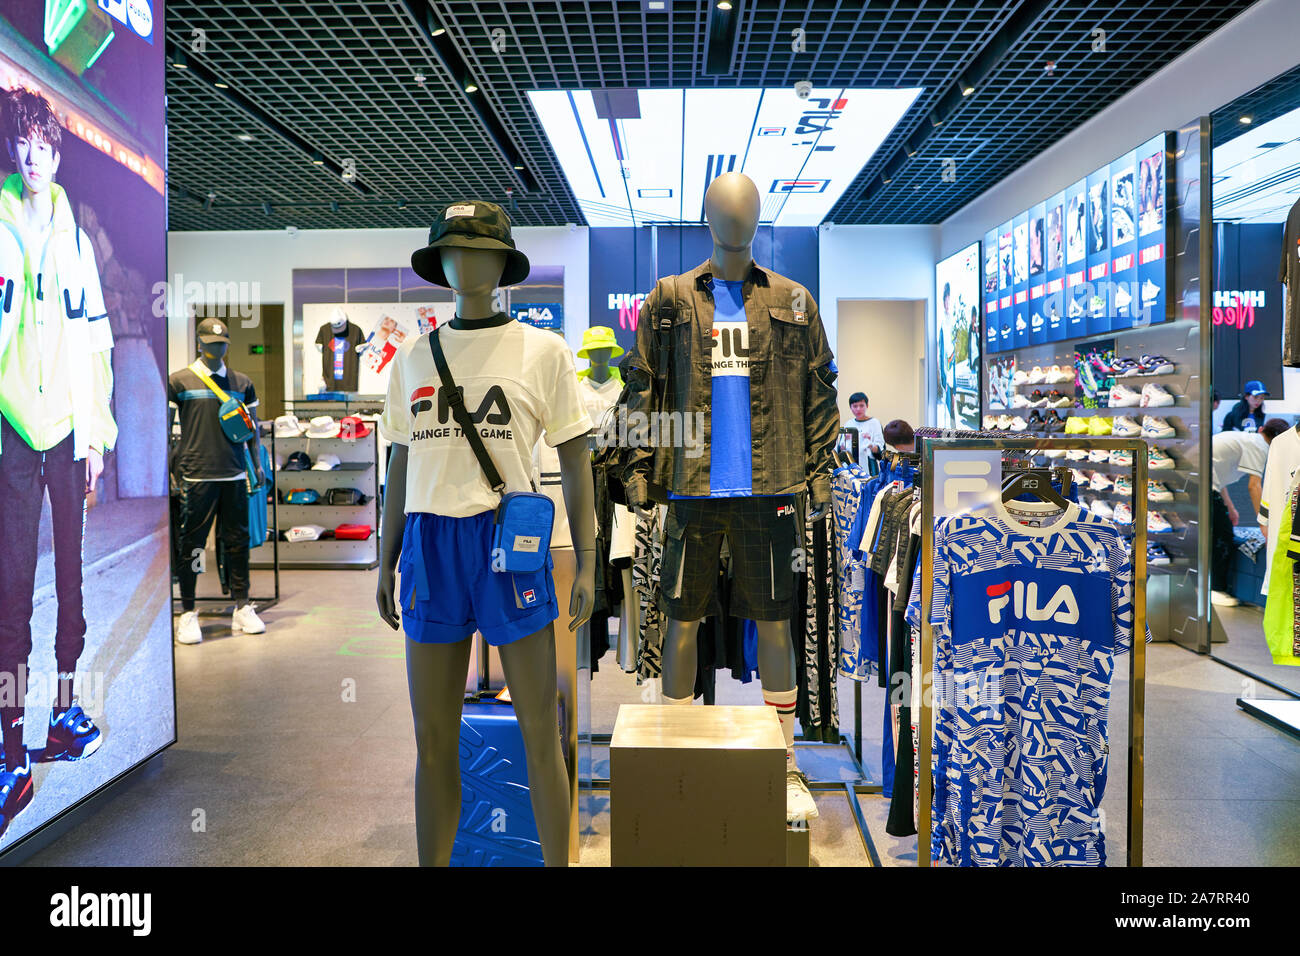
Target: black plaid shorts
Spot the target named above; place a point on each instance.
(764, 536)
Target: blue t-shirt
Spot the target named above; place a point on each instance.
(731, 462)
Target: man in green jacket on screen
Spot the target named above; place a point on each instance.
(56, 425)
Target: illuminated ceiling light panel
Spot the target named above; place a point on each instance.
(1256, 174)
(642, 156)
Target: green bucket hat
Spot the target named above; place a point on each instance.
(470, 225)
(599, 337)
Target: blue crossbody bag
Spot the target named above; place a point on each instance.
(521, 533)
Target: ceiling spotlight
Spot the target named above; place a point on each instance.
(438, 32)
(724, 4)
(266, 208)
(221, 86)
(317, 159)
(207, 203)
(334, 205)
(401, 204)
(470, 87)
(178, 59)
(419, 79)
(1049, 67)
(967, 89)
(519, 168)
(1246, 120)
(244, 137)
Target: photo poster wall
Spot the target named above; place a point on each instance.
(389, 305)
(381, 329)
(957, 282)
(82, 116)
(991, 344)
(1006, 315)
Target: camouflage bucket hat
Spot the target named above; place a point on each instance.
(470, 225)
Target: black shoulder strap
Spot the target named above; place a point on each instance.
(456, 399)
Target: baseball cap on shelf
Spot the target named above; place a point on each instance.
(213, 330)
(326, 463)
(288, 426)
(353, 427)
(304, 532)
(1254, 387)
(323, 426)
(298, 461)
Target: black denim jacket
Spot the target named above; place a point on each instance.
(793, 411)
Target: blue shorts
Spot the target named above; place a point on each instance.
(448, 590)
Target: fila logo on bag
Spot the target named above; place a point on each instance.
(1062, 608)
(530, 596)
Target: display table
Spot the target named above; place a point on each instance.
(697, 786)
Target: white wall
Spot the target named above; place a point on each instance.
(269, 257)
(882, 345)
(1246, 52)
(875, 262)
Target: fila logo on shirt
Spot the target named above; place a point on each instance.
(784, 510)
(1062, 608)
(494, 409)
(729, 348)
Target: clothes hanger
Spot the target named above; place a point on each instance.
(1036, 482)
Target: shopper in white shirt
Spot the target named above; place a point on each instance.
(1235, 453)
(871, 440)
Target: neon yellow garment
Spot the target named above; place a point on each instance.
(56, 373)
(1279, 612)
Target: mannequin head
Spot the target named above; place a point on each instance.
(731, 205)
(472, 272)
(599, 356)
(213, 352)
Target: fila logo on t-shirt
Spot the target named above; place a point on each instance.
(784, 510)
(1062, 608)
(729, 348)
(494, 409)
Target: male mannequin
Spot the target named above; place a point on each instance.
(214, 478)
(770, 423)
(471, 252)
(337, 342)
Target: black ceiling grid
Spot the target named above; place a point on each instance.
(340, 77)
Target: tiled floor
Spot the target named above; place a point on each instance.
(280, 763)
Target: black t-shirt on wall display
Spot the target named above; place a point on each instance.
(339, 365)
(1289, 273)
(204, 452)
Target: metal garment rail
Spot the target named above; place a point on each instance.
(1137, 658)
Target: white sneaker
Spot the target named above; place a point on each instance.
(799, 804)
(1122, 457)
(1077, 454)
(1158, 492)
(1005, 422)
(1122, 299)
(1020, 323)
(187, 628)
(1019, 425)
(1158, 460)
(1149, 292)
(1158, 523)
(1037, 321)
(1154, 396)
(245, 620)
(1123, 513)
(1075, 310)
(1100, 482)
(1021, 377)
(1153, 427)
(1223, 599)
(1099, 456)
(1020, 401)
(1121, 396)
(990, 422)
(1036, 376)
(1102, 510)
(1125, 427)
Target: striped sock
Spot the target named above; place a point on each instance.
(678, 700)
(784, 702)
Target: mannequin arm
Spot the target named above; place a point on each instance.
(392, 526)
(580, 503)
(822, 422)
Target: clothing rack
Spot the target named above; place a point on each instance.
(1137, 660)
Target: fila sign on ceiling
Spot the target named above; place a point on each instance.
(638, 156)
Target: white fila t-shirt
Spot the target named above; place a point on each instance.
(519, 382)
